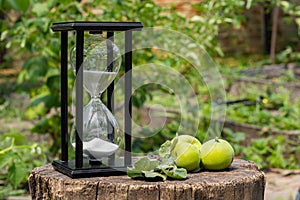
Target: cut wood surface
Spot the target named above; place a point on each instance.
(242, 180)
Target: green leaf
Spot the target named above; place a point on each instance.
(42, 126)
(165, 149)
(9, 191)
(16, 174)
(40, 9)
(34, 112)
(298, 21)
(53, 82)
(3, 35)
(5, 159)
(249, 4)
(145, 164)
(19, 5)
(50, 100)
(66, 1)
(154, 175)
(174, 142)
(140, 166)
(36, 67)
(174, 172)
(134, 173)
(149, 169)
(19, 139)
(167, 160)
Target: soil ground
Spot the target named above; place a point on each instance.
(282, 184)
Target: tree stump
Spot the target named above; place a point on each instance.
(242, 180)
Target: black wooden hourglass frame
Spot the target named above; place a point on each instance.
(79, 168)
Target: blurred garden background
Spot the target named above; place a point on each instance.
(254, 43)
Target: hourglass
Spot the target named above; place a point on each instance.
(101, 136)
(95, 135)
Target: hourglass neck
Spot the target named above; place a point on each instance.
(96, 103)
(94, 90)
(96, 96)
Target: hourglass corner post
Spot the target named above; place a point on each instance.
(79, 99)
(64, 95)
(110, 91)
(110, 88)
(128, 94)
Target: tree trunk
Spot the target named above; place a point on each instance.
(2, 43)
(242, 180)
(274, 34)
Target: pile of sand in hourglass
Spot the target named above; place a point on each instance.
(99, 148)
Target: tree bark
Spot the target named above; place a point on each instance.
(274, 34)
(242, 180)
(2, 43)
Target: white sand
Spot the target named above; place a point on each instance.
(98, 148)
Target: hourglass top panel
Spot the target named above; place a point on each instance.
(96, 26)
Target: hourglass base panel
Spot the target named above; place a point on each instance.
(68, 168)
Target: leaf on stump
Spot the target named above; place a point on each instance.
(154, 175)
(173, 172)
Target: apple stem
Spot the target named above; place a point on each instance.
(217, 139)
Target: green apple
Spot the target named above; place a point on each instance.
(186, 155)
(216, 154)
(188, 139)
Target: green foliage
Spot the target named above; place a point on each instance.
(213, 14)
(272, 109)
(275, 111)
(288, 55)
(271, 151)
(30, 32)
(277, 152)
(235, 139)
(17, 158)
(18, 5)
(152, 170)
(153, 143)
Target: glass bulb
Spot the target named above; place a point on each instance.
(95, 61)
(101, 135)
